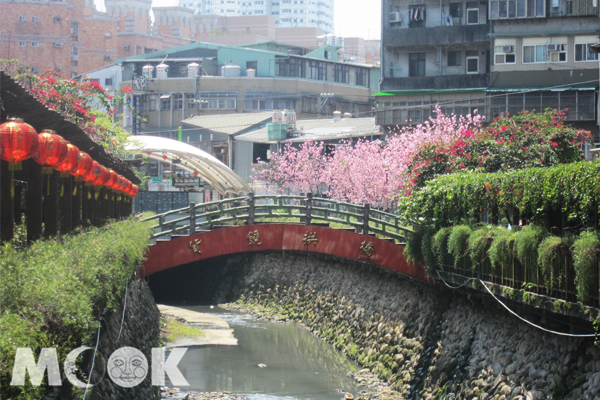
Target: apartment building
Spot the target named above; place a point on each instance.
(288, 13)
(493, 56)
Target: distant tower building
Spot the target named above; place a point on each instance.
(288, 13)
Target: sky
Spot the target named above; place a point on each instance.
(352, 17)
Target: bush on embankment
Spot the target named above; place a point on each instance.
(52, 293)
(564, 196)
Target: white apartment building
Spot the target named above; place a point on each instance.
(288, 13)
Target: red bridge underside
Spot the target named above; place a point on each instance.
(277, 237)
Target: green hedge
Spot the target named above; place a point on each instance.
(52, 293)
(544, 196)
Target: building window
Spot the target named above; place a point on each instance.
(535, 54)
(317, 70)
(190, 100)
(504, 54)
(583, 52)
(454, 58)
(252, 65)
(362, 77)
(292, 67)
(108, 82)
(177, 102)
(218, 100)
(500, 9)
(34, 44)
(341, 73)
(472, 60)
(416, 64)
(22, 18)
(165, 102)
(35, 19)
(557, 52)
(23, 44)
(472, 14)
(416, 16)
(152, 103)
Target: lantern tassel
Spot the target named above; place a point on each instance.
(48, 186)
(89, 194)
(12, 185)
(62, 189)
(75, 190)
(97, 193)
(15, 166)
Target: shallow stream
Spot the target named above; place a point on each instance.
(293, 362)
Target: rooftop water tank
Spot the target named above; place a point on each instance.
(162, 71)
(193, 70)
(337, 116)
(231, 70)
(148, 71)
(251, 73)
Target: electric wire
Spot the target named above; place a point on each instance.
(590, 335)
(93, 363)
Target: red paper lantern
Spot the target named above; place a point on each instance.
(103, 177)
(128, 186)
(112, 179)
(85, 165)
(95, 173)
(18, 142)
(52, 149)
(196, 173)
(71, 162)
(134, 190)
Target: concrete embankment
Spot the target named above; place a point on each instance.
(421, 339)
(215, 330)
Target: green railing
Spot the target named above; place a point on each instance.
(279, 209)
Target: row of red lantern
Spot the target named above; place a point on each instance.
(19, 142)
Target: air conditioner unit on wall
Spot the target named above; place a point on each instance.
(394, 17)
(552, 47)
(508, 49)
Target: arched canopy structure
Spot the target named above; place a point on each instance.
(191, 159)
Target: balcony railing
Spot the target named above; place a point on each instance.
(439, 35)
(440, 82)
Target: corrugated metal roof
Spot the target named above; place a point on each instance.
(320, 129)
(17, 102)
(229, 124)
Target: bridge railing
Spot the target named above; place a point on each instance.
(279, 209)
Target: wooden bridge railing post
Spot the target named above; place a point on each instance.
(366, 211)
(192, 218)
(250, 208)
(309, 198)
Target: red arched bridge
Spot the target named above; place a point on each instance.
(343, 230)
(279, 223)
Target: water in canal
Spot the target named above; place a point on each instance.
(298, 364)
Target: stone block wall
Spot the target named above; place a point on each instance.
(421, 339)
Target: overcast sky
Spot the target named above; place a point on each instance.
(352, 17)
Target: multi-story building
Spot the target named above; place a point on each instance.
(243, 86)
(288, 13)
(495, 56)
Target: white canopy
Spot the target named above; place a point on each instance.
(192, 159)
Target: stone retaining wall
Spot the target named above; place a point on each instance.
(421, 339)
(141, 330)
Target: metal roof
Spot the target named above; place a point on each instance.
(210, 169)
(15, 101)
(320, 129)
(229, 124)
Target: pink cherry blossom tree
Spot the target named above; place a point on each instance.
(363, 172)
